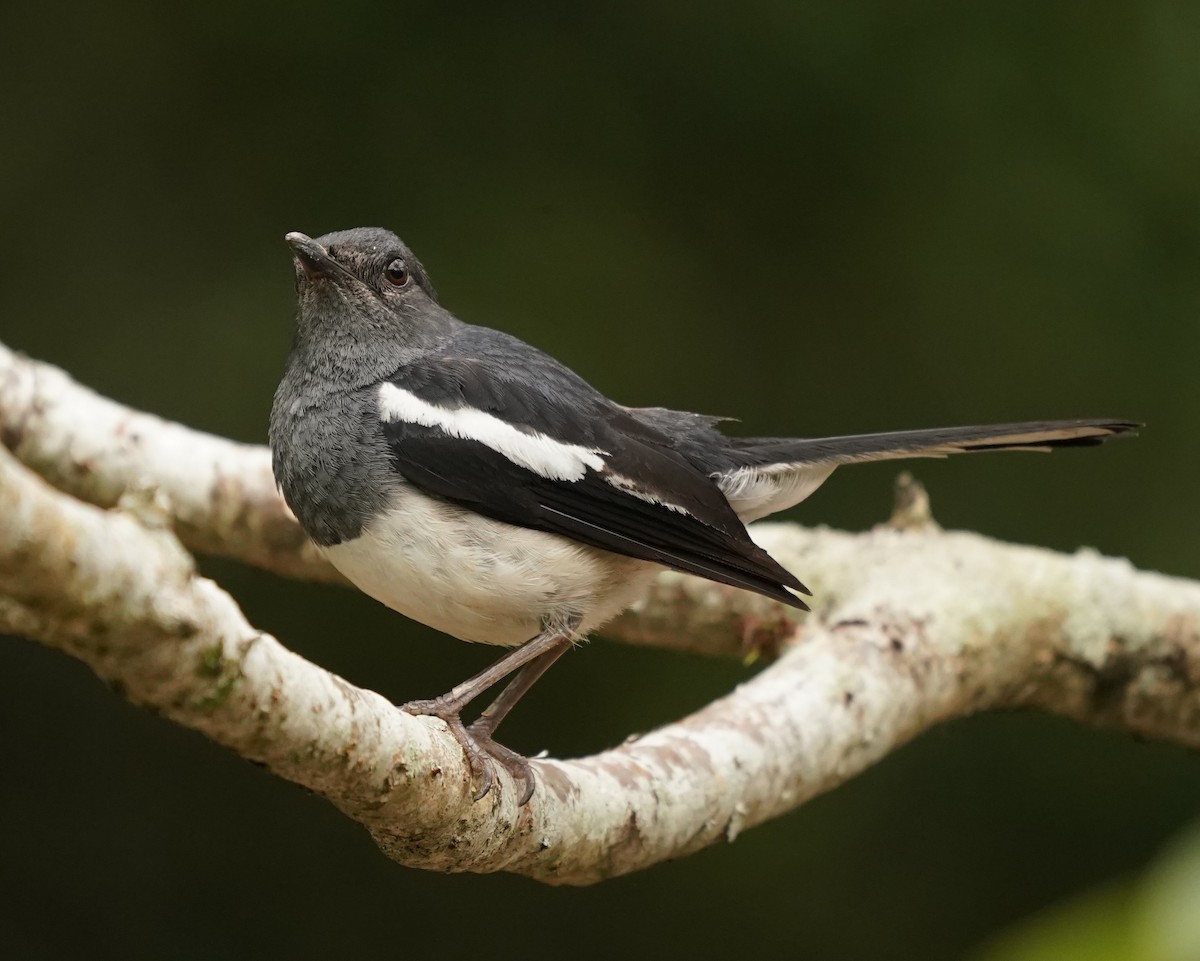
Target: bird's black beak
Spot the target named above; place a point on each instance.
(312, 257)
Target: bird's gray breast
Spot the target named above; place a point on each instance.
(330, 459)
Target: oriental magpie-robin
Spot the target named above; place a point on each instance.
(471, 482)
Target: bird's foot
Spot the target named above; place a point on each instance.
(517, 765)
(482, 751)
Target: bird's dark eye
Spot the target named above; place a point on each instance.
(396, 273)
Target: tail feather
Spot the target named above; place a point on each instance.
(773, 473)
(934, 442)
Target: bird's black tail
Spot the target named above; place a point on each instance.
(770, 474)
(934, 442)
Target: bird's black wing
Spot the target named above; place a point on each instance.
(499, 428)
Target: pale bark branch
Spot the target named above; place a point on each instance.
(220, 493)
(909, 628)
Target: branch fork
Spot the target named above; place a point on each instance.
(100, 507)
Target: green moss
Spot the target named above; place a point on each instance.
(211, 662)
(225, 674)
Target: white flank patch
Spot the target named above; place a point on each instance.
(755, 492)
(534, 451)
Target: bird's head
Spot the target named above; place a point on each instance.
(364, 279)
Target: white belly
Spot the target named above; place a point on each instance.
(484, 580)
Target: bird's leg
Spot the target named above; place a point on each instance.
(531, 660)
(482, 728)
(494, 713)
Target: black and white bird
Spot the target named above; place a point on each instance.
(477, 485)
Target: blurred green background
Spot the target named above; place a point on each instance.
(821, 217)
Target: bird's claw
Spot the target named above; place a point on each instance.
(517, 765)
(483, 752)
